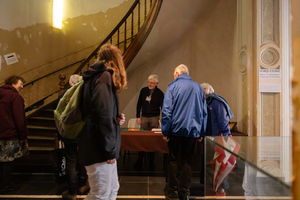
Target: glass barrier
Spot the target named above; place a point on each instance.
(248, 166)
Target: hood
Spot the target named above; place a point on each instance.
(6, 89)
(96, 68)
(221, 99)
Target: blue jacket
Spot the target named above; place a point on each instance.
(184, 111)
(218, 117)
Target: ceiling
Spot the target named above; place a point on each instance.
(175, 18)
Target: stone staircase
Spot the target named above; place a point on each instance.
(41, 141)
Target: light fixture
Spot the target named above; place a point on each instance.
(57, 13)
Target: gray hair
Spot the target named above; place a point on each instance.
(182, 69)
(207, 88)
(153, 76)
(74, 79)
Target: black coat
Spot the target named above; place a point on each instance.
(101, 138)
(152, 108)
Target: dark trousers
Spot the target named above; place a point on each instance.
(6, 169)
(181, 153)
(202, 161)
(76, 173)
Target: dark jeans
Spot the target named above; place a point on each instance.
(6, 169)
(76, 173)
(181, 153)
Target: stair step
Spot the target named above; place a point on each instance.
(41, 142)
(41, 148)
(41, 121)
(42, 118)
(41, 127)
(34, 137)
(48, 110)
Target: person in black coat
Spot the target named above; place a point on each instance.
(100, 141)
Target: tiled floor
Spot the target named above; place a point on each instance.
(142, 184)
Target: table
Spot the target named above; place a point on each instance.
(147, 141)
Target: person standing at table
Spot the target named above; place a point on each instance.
(184, 116)
(13, 130)
(100, 140)
(149, 103)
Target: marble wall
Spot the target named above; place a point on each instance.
(295, 8)
(208, 48)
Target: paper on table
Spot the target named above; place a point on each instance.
(156, 129)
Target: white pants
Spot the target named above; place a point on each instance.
(103, 180)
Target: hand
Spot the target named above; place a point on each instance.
(121, 119)
(138, 121)
(200, 139)
(166, 138)
(112, 161)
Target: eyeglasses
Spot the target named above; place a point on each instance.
(151, 83)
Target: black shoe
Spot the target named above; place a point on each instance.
(183, 197)
(9, 188)
(171, 196)
(66, 196)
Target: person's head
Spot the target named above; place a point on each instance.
(112, 57)
(73, 79)
(152, 82)
(16, 81)
(180, 69)
(208, 89)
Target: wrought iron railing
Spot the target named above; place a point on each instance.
(131, 32)
(129, 36)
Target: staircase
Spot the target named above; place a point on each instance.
(42, 130)
(41, 142)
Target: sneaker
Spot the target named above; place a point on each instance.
(84, 189)
(66, 196)
(221, 192)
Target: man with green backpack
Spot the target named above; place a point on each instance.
(68, 103)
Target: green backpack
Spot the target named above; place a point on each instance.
(67, 115)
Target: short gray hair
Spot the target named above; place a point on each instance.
(153, 76)
(182, 69)
(207, 88)
(74, 79)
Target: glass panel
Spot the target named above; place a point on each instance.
(248, 166)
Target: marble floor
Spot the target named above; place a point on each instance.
(134, 184)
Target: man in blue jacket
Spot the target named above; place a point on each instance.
(184, 117)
